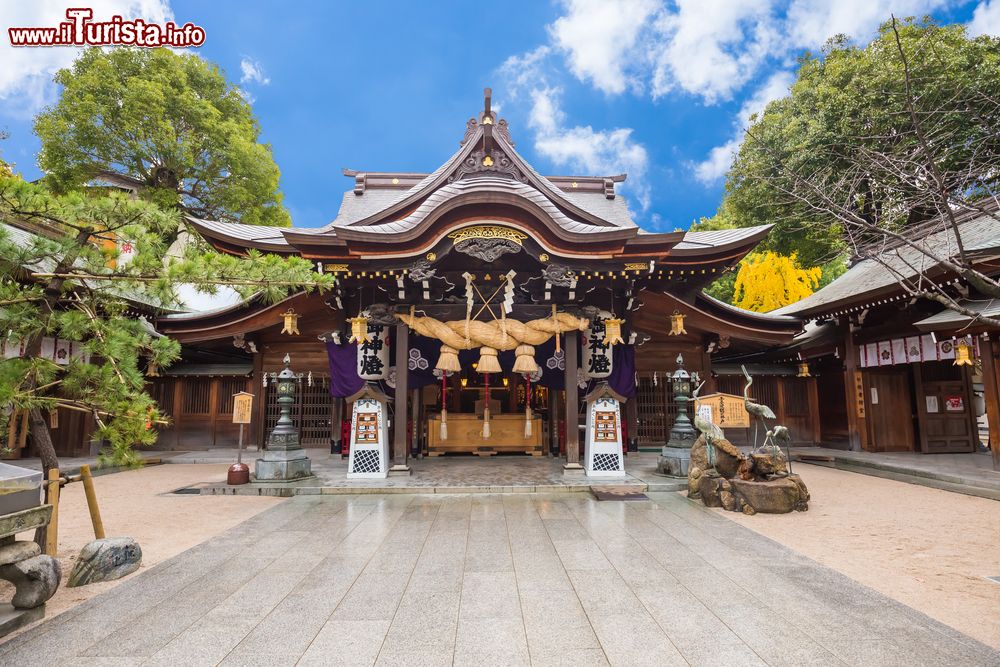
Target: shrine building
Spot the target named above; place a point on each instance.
(489, 306)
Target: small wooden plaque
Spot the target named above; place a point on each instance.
(242, 407)
(727, 410)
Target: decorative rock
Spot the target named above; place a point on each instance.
(774, 496)
(105, 560)
(18, 551)
(769, 463)
(727, 463)
(35, 580)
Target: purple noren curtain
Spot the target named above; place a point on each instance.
(344, 380)
(622, 378)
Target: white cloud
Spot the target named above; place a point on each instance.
(26, 72)
(809, 23)
(252, 72)
(986, 19)
(598, 37)
(710, 48)
(720, 158)
(579, 148)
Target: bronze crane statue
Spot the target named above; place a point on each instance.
(759, 411)
(711, 431)
(777, 436)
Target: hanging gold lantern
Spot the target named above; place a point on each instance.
(359, 330)
(803, 370)
(677, 324)
(448, 361)
(291, 325)
(963, 353)
(524, 359)
(152, 369)
(613, 331)
(488, 362)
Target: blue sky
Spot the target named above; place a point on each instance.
(658, 89)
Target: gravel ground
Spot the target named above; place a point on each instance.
(929, 549)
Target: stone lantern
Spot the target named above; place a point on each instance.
(284, 460)
(675, 458)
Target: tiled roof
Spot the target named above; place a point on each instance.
(715, 238)
(868, 276)
(950, 319)
(263, 234)
(493, 184)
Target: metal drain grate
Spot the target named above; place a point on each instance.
(187, 491)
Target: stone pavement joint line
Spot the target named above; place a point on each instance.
(491, 579)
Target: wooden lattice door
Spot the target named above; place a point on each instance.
(655, 410)
(311, 412)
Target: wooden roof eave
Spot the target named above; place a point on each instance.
(704, 315)
(418, 235)
(241, 319)
(233, 245)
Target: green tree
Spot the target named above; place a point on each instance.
(166, 124)
(872, 141)
(70, 284)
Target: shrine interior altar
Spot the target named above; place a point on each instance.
(465, 435)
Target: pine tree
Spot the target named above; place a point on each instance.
(72, 283)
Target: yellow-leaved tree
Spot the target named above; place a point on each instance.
(767, 280)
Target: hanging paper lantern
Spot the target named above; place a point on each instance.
(448, 361)
(359, 330)
(596, 352)
(524, 359)
(963, 353)
(291, 323)
(677, 324)
(488, 362)
(613, 331)
(804, 370)
(152, 369)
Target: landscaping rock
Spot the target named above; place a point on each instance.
(18, 551)
(35, 580)
(105, 560)
(774, 496)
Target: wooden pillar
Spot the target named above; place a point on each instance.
(632, 419)
(401, 414)
(812, 386)
(711, 386)
(258, 425)
(336, 417)
(989, 355)
(415, 420)
(857, 423)
(572, 404)
(554, 422)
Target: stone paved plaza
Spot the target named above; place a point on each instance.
(491, 580)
